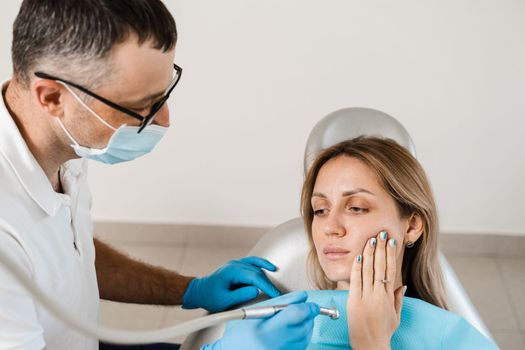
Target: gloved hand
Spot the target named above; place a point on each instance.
(236, 282)
(289, 329)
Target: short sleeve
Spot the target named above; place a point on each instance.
(19, 326)
(461, 335)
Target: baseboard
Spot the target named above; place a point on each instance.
(497, 245)
(179, 234)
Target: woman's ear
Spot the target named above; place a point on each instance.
(414, 230)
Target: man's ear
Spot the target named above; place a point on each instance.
(414, 229)
(49, 96)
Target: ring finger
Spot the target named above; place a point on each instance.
(368, 265)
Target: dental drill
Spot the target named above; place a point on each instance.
(126, 337)
(270, 310)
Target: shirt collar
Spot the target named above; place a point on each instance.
(24, 164)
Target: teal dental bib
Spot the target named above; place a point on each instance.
(423, 326)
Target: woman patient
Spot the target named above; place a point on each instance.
(372, 224)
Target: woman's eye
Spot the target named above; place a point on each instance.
(319, 212)
(358, 210)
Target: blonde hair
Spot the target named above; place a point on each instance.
(401, 175)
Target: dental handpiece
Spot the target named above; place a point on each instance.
(267, 311)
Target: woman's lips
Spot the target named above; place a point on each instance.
(335, 253)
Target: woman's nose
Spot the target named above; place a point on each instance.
(334, 226)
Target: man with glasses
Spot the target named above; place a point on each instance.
(90, 81)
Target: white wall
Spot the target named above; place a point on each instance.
(259, 74)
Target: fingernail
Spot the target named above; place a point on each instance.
(392, 242)
(373, 242)
(359, 258)
(383, 235)
(404, 290)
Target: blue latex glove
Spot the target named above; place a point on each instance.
(236, 282)
(290, 329)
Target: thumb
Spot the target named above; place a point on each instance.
(295, 314)
(398, 294)
(242, 295)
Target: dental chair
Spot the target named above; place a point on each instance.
(287, 244)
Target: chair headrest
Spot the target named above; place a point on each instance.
(349, 123)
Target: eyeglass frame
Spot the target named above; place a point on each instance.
(146, 120)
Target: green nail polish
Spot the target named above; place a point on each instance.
(373, 242)
(383, 235)
(392, 242)
(359, 259)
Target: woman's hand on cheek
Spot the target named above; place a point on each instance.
(373, 307)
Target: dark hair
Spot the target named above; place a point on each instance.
(50, 30)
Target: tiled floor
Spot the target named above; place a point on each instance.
(494, 283)
(495, 286)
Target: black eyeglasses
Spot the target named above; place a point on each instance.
(146, 120)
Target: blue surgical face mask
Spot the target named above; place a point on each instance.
(124, 145)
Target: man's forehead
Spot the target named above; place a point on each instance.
(139, 71)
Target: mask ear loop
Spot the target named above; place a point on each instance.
(86, 106)
(75, 143)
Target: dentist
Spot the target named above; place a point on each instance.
(90, 81)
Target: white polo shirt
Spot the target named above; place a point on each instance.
(50, 236)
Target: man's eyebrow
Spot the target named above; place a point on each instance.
(345, 193)
(153, 96)
(146, 99)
